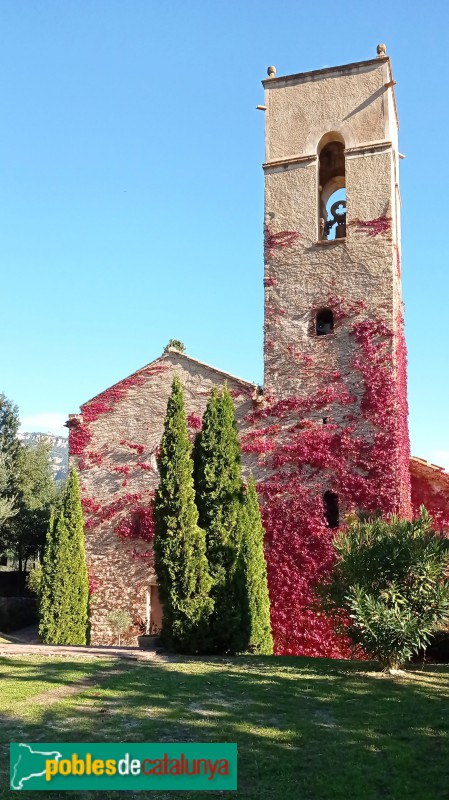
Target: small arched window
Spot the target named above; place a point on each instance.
(330, 507)
(332, 187)
(324, 322)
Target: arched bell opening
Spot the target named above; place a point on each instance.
(332, 187)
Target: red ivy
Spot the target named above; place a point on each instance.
(139, 448)
(194, 422)
(122, 470)
(273, 241)
(99, 513)
(144, 466)
(434, 499)
(137, 524)
(364, 459)
(79, 438)
(80, 435)
(372, 227)
(94, 583)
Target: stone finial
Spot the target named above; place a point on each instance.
(381, 50)
(271, 72)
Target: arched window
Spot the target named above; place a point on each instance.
(324, 322)
(331, 512)
(332, 187)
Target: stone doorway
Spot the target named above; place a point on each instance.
(154, 609)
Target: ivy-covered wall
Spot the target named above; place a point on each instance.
(430, 487)
(335, 413)
(113, 443)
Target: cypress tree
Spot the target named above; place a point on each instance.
(46, 624)
(257, 603)
(179, 543)
(65, 592)
(219, 493)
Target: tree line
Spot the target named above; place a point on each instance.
(27, 491)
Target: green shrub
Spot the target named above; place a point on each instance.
(120, 621)
(390, 580)
(175, 344)
(34, 579)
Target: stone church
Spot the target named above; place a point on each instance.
(327, 434)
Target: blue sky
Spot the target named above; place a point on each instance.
(131, 187)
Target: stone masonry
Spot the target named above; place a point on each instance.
(357, 277)
(116, 439)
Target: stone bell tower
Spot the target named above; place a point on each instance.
(334, 347)
(330, 434)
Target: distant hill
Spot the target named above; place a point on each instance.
(59, 453)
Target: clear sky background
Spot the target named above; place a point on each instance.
(131, 187)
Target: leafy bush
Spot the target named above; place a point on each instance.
(34, 579)
(120, 621)
(175, 344)
(390, 580)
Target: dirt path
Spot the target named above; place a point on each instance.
(55, 695)
(24, 649)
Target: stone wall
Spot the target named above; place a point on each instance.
(358, 277)
(114, 444)
(430, 488)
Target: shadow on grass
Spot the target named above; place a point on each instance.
(46, 669)
(306, 729)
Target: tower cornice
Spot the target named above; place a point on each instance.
(334, 72)
(315, 74)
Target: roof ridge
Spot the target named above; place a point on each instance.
(430, 465)
(162, 357)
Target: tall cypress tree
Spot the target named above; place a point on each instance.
(219, 493)
(257, 602)
(179, 543)
(46, 596)
(65, 592)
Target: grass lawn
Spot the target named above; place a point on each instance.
(307, 729)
